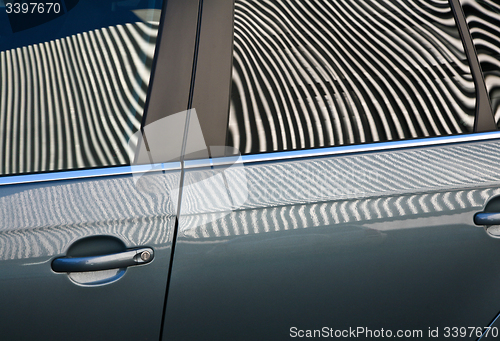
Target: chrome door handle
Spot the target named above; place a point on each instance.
(486, 218)
(103, 262)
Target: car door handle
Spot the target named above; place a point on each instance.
(487, 218)
(103, 262)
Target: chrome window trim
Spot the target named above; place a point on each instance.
(200, 163)
(255, 158)
(88, 173)
(354, 149)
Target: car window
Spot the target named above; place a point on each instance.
(483, 18)
(74, 80)
(309, 74)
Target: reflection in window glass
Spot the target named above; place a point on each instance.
(312, 73)
(483, 17)
(73, 82)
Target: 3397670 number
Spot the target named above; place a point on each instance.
(461, 332)
(32, 7)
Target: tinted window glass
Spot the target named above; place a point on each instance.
(310, 73)
(74, 79)
(483, 18)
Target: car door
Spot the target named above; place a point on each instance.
(89, 182)
(360, 146)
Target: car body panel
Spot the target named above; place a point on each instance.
(46, 210)
(374, 240)
(40, 221)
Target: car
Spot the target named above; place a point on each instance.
(249, 169)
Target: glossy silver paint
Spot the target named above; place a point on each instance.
(381, 239)
(40, 221)
(377, 235)
(44, 215)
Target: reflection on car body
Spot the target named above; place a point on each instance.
(279, 164)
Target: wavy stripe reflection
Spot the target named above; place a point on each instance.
(367, 189)
(376, 213)
(324, 73)
(74, 102)
(41, 220)
(483, 18)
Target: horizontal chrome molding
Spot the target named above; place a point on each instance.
(88, 173)
(267, 157)
(363, 148)
(197, 163)
(372, 147)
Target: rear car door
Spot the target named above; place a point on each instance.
(89, 167)
(360, 146)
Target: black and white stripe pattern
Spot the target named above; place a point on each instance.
(360, 189)
(353, 212)
(323, 73)
(40, 220)
(351, 177)
(483, 18)
(74, 102)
